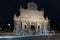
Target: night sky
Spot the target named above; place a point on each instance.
(9, 7)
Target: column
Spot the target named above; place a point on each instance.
(28, 29)
(41, 28)
(36, 27)
(14, 28)
(45, 28)
(17, 28)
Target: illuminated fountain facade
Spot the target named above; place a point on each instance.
(31, 21)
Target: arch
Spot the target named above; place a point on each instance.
(24, 25)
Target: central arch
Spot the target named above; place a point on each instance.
(32, 27)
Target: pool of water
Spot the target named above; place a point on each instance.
(32, 37)
(24, 36)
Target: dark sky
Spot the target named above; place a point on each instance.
(9, 7)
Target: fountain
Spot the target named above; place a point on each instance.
(31, 21)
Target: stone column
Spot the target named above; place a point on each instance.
(28, 29)
(37, 27)
(45, 28)
(17, 28)
(42, 28)
(14, 28)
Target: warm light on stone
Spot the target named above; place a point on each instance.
(31, 21)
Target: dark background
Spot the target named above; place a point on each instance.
(9, 7)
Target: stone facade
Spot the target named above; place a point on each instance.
(31, 21)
